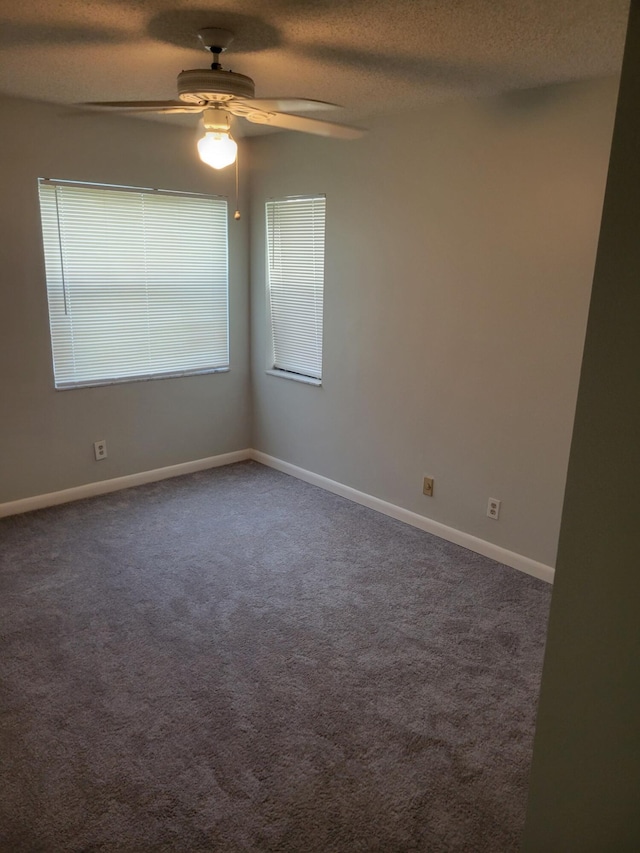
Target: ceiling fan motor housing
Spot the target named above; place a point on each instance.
(203, 85)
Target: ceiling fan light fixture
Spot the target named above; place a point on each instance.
(217, 148)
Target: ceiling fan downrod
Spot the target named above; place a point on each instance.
(215, 65)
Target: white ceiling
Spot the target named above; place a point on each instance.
(371, 56)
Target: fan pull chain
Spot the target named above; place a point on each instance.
(236, 215)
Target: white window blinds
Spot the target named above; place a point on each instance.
(295, 242)
(137, 282)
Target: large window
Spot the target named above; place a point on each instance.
(137, 282)
(295, 273)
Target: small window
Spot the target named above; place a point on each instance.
(295, 264)
(137, 282)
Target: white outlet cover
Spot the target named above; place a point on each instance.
(493, 508)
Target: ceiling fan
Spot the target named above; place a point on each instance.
(218, 93)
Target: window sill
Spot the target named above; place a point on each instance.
(95, 383)
(296, 377)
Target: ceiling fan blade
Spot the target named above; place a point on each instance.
(160, 110)
(140, 105)
(286, 105)
(306, 125)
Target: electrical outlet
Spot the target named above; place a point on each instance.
(100, 449)
(493, 508)
(427, 486)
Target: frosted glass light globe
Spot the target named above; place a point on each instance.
(217, 149)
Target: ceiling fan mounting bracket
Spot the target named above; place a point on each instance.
(215, 39)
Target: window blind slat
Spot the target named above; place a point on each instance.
(137, 282)
(295, 270)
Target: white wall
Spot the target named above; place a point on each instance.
(460, 253)
(46, 436)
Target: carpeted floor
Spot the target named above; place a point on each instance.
(238, 661)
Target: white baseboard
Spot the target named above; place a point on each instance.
(473, 543)
(103, 487)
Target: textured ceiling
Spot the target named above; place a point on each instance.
(370, 56)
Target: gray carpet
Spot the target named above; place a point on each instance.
(238, 661)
